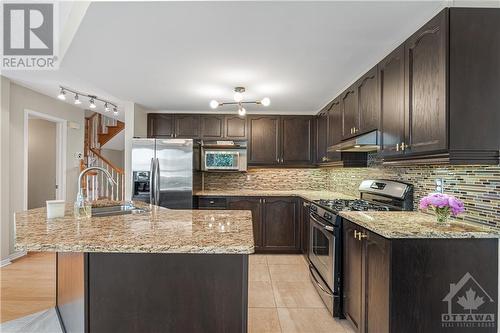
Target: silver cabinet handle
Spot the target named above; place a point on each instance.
(397, 146)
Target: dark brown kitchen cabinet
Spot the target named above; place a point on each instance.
(280, 140)
(254, 205)
(264, 140)
(353, 273)
(334, 129)
(322, 136)
(160, 125)
(368, 102)
(281, 229)
(296, 140)
(212, 127)
(391, 76)
(187, 126)
(173, 125)
(236, 127)
(382, 275)
(425, 72)
(350, 113)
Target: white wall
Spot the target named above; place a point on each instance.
(140, 121)
(22, 99)
(117, 157)
(4, 168)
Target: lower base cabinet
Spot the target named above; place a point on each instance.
(277, 222)
(414, 285)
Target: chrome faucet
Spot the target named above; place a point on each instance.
(111, 181)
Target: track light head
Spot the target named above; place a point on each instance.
(62, 95)
(92, 103)
(115, 111)
(106, 107)
(77, 100)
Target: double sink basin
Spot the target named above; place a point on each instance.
(117, 210)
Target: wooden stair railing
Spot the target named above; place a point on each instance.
(99, 130)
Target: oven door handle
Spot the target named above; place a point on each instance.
(326, 227)
(317, 282)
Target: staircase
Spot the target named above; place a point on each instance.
(99, 129)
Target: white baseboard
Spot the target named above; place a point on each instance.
(13, 256)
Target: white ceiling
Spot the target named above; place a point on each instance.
(177, 56)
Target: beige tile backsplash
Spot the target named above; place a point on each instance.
(477, 186)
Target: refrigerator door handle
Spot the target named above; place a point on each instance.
(151, 181)
(157, 183)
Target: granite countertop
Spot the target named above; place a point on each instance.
(416, 225)
(160, 230)
(305, 194)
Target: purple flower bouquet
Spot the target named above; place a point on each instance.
(443, 205)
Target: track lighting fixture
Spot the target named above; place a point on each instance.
(77, 100)
(238, 100)
(92, 99)
(62, 95)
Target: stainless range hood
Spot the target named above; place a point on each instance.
(364, 143)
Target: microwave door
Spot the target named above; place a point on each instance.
(174, 169)
(143, 154)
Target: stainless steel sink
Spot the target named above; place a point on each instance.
(117, 210)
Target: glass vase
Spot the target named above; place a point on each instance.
(442, 215)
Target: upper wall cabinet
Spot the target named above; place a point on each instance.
(187, 126)
(391, 75)
(368, 102)
(264, 140)
(160, 125)
(322, 136)
(236, 127)
(425, 70)
(280, 140)
(350, 115)
(212, 127)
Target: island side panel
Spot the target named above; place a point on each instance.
(168, 292)
(71, 287)
(423, 271)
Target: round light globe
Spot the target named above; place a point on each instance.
(214, 104)
(265, 101)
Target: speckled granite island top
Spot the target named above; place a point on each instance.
(416, 225)
(305, 194)
(160, 230)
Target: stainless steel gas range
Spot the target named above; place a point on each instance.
(325, 232)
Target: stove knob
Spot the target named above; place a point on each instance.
(327, 216)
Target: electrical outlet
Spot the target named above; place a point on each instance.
(439, 185)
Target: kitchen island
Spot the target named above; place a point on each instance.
(159, 271)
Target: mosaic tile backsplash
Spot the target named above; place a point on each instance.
(477, 186)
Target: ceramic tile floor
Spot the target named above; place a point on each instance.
(281, 298)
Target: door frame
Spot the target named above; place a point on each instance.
(61, 139)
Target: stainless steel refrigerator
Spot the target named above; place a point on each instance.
(162, 172)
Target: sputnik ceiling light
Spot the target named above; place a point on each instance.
(92, 99)
(238, 100)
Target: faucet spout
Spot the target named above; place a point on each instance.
(111, 181)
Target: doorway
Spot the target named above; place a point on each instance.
(44, 159)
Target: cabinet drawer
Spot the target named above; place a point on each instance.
(212, 203)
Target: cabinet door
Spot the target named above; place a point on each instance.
(160, 125)
(187, 126)
(353, 276)
(296, 140)
(334, 129)
(263, 140)
(391, 75)
(350, 116)
(212, 126)
(236, 127)
(321, 136)
(368, 102)
(425, 62)
(376, 286)
(281, 232)
(254, 205)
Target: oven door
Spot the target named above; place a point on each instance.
(322, 249)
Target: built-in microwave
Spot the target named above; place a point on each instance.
(218, 156)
